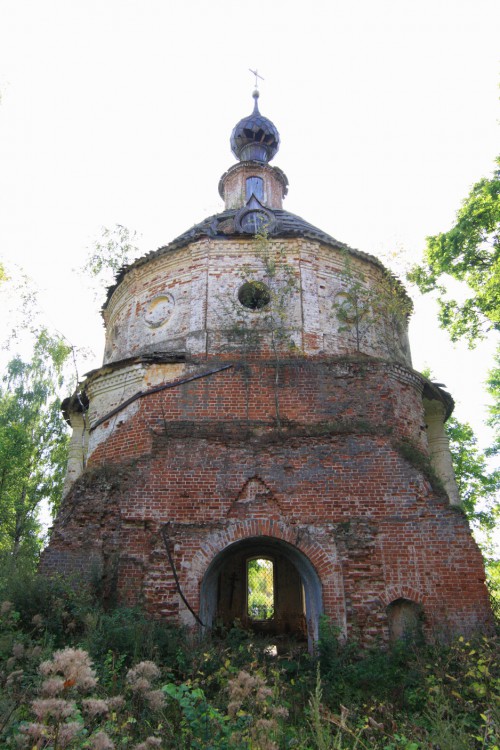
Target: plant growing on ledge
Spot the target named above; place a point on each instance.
(364, 311)
(353, 306)
(260, 317)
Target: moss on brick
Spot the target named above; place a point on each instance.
(420, 461)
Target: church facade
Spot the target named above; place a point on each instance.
(256, 446)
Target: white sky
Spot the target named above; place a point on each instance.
(120, 111)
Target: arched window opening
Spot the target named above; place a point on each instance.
(255, 186)
(405, 621)
(260, 588)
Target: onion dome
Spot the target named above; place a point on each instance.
(255, 138)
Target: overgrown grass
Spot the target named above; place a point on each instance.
(75, 676)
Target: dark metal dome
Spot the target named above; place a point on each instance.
(255, 137)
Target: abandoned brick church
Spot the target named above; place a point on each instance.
(257, 446)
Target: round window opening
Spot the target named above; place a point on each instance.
(254, 221)
(254, 294)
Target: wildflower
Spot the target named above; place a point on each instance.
(18, 650)
(263, 692)
(280, 712)
(251, 690)
(15, 676)
(5, 608)
(261, 734)
(45, 667)
(139, 677)
(156, 699)
(74, 665)
(147, 669)
(265, 725)
(149, 744)
(52, 686)
(242, 685)
(52, 707)
(37, 621)
(34, 730)
(95, 707)
(67, 733)
(140, 685)
(101, 741)
(116, 702)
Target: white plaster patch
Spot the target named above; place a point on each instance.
(108, 392)
(104, 431)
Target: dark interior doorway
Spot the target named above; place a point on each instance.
(277, 607)
(265, 584)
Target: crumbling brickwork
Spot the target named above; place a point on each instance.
(257, 402)
(206, 460)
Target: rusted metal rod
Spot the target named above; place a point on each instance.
(156, 389)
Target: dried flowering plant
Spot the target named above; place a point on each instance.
(19, 659)
(254, 712)
(140, 680)
(58, 722)
(68, 714)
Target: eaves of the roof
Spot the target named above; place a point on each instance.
(222, 226)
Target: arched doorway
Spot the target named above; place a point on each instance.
(266, 584)
(404, 618)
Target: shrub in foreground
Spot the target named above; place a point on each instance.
(120, 680)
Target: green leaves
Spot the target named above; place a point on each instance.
(493, 388)
(33, 444)
(478, 486)
(372, 315)
(469, 252)
(115, 248)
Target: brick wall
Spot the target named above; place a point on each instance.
(184, 300)
(209, 459)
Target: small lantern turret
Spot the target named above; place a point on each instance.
(254, 141)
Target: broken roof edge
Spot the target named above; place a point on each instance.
(79, 400)
(287, 225)
(434, 392)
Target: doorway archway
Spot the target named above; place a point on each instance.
(404, 618)
(293, 590)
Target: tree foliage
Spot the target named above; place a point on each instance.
(477, 484)
(33, 445)
(260, 578)
(469, 252)
(114, 249)
(493, 388)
